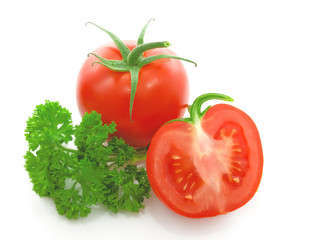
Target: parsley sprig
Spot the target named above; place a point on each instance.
(90, 173)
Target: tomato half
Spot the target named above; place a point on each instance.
(209, 167)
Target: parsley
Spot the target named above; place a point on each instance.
(91, 173)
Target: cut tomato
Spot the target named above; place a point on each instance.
(208, 164)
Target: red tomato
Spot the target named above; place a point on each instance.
(162, 93)
(208, 167)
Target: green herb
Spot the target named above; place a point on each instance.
(90, 173)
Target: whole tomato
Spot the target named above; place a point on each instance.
(140, 86)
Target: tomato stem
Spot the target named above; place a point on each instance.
(124, 50)
(195, 110)
(135, 55)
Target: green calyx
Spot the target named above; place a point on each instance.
(132, 61)
(195, 109)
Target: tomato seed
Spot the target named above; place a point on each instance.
(222, 132)
(233, 132)
(176, 164)
(185, 187)
(237, 149)
(188, 196)
(190, 175)
(237, 168)
(179, 180)
(176, 157)
(236, 179)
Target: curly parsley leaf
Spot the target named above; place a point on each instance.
(94, 172)
(126, 189)
(50, 124)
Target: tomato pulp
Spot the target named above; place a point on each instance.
(162, 93)
(207, 167)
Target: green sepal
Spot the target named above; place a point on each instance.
(124, 50)
(115, 65)
(134, 83)
(205, 111)
(150, 59)
(141, 36)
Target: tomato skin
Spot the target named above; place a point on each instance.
(212, 176)
(162, 93)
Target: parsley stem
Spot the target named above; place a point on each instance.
(74, 151)
(74, 185)
(141, 154)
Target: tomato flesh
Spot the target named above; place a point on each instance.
(206, 169)
(182, 174)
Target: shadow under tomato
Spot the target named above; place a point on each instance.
(184, 226)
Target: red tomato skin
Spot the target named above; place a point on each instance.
(162, 93)
(181, 135)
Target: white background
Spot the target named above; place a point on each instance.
(264, 54)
